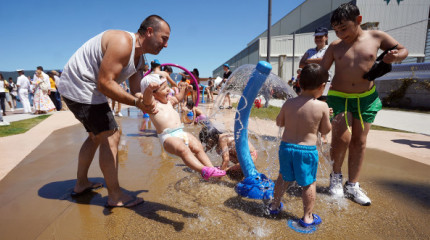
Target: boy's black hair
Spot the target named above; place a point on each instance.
(312, 76)
(183, 79)
(190, 104)
(345, 12)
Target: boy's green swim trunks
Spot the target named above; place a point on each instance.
(363, 106)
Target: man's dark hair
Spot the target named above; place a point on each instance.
(40, 68)
(345, 12)
(152, 21)
(312, 76)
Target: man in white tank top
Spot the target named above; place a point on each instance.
(93, 73)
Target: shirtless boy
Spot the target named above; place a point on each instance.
(353, 98)
(170, 129)
(302, 118)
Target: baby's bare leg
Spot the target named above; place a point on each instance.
(176, 146)
(308, 198)
(197, 148)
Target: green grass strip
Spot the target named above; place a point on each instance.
(22, 126)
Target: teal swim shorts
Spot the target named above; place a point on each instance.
(298, 163)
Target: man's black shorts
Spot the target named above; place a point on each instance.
(96, 118)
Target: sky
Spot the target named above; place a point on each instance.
(204, 33)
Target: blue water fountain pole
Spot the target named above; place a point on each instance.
(203, 93)
(255, 185)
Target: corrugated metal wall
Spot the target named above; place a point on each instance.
(427, 51)
(406, 22)
(302, 16)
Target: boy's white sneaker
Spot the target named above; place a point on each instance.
(119, 114)
(336, 189)
(357, 194)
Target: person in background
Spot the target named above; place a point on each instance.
(198, 115)
(172, 83)
(7, 94)
(13, 91)
(41, 101)
(23, 84)
(226, 75)
(30, 91)
(210, 89)
(296, 84)
(118, 109)
(3, 85)
(54, 95)
(315, 55)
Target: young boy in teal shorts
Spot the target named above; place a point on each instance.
(302, 117)
(352, 95)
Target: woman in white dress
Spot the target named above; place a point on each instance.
(41, 101)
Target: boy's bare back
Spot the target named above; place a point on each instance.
(302, 117)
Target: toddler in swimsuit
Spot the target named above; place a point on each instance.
(302, 118)
(170, 129)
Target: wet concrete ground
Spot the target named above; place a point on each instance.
(35, 201)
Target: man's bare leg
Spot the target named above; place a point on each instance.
(86, 156)
(108, 160)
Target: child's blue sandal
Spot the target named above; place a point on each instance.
(317, 220)
(276, 211)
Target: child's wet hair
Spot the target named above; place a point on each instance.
(168, 69)
(209, 132)
(345, 12)
(312, 76)
(190, 104)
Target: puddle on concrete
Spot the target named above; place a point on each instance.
(35, 201)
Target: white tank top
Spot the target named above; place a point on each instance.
(78, 81)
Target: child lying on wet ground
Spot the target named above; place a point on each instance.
(169, 128)
(224, 145)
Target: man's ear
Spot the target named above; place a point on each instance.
(149, 31)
